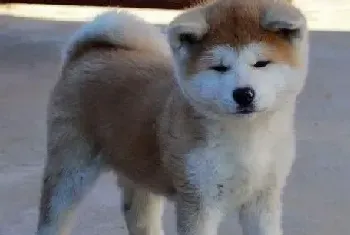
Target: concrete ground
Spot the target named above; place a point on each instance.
(317, 198)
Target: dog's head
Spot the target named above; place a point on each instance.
(236, 57)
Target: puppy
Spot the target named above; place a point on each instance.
(203, 116)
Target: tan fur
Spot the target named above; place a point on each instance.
(237, 23)
(117, 108)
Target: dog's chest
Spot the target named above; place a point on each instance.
(229, 166)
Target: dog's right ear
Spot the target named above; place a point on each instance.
(186, 30)
(185, 34)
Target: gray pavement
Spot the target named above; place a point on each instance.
(317, 198)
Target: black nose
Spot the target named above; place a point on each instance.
(244, 96)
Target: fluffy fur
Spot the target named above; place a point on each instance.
(120, 29)
(162, 116)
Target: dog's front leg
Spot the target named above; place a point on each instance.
(262, 214)
(196, 217)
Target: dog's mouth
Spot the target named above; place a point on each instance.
(245, 110)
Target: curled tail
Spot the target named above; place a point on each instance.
(119, 29)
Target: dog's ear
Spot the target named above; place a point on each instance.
(185, 34)
(186, 30)
(285, 20)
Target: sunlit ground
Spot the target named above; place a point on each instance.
(81, 13)
(330, 17)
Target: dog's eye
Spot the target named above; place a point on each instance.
(188, 38)
(261, 63)
(220, 68)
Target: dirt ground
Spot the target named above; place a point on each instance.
(316, 200)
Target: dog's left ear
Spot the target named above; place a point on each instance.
(284, 19)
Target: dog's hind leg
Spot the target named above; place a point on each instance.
(142, 211)
(196, 217)
(71, 169)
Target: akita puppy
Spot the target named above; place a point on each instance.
(204, 116)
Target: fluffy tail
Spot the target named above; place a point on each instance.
(119, 29)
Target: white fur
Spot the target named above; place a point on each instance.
(274, 84)
(244, 163)
(119, 28)
(144, 212)
(71, 187)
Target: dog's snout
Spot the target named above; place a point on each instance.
(244, 96)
